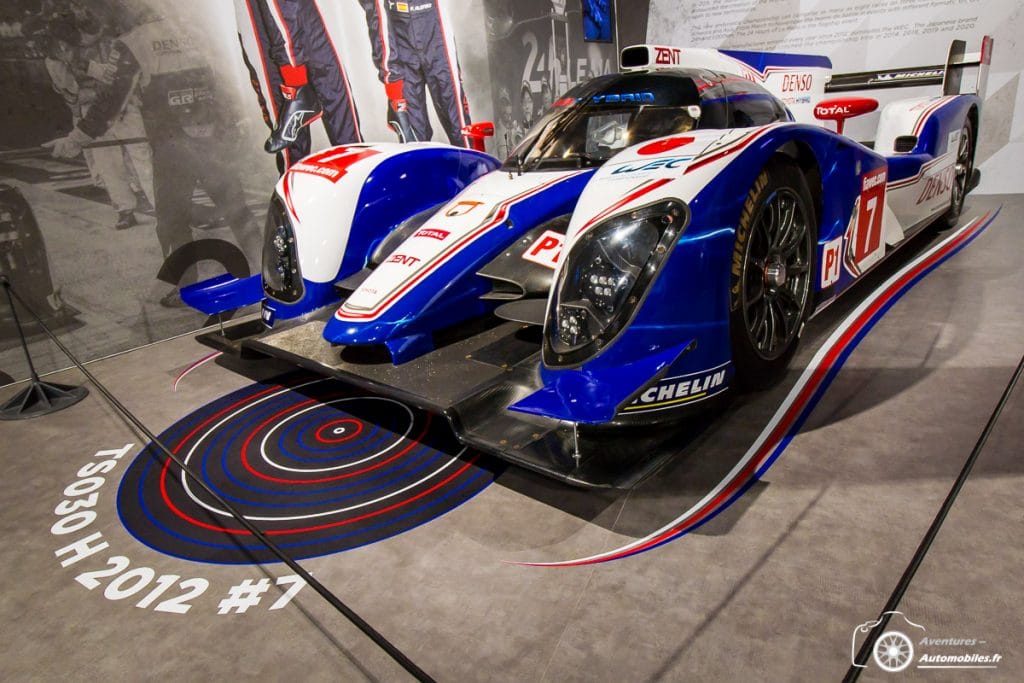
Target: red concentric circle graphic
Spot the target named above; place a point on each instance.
(316, 466)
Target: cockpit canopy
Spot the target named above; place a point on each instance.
(597, 119)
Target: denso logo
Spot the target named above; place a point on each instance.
(824, 111)
(797, 82)
(664, 162)
(939, 184)
(667, 55)
(637, 97)
(433, 233)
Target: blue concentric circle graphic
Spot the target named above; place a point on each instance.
(317, 466)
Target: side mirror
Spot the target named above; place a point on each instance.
(477, 132)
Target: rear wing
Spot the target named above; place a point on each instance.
(948, 75)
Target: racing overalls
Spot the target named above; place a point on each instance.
(301, 39)
(413, 44)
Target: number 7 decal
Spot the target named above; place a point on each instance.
(868, 247)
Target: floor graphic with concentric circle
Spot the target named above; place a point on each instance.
(314, 464)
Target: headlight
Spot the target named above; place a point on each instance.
(606, 275)
(282, 279)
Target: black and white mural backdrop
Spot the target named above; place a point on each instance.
(132, 132)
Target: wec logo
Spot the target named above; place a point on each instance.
(665, 162)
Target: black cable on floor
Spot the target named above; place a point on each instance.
(327, 595)
(853, 673)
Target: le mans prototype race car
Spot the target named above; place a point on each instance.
(660, 235)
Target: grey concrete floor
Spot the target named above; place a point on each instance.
(771, 589)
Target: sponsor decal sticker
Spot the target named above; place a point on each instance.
(938, 185)
(675, 391)
(433, 233)
(625, 97)
(332, 164)
(653, 165)
(667, 55)
(866, 246)
(797, 82)
(546, 249)
(461, 208)
(831, 261)
(404, 260)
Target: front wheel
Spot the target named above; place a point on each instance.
(772, 273)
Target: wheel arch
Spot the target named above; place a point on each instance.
(807, 162)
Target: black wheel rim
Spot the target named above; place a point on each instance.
(776, 274)
(963, 170)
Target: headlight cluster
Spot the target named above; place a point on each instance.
(606, 274)
(282, 279)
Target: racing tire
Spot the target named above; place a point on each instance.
(964, 166)
(772, 273)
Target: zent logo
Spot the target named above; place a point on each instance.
(667, 55)
(433, 233)
(546, 249)
(461, 208)
(831, 259)
(404, 260)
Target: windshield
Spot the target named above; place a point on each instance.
(598, 119)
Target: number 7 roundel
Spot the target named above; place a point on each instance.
(866, 246)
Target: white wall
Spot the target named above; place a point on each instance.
(861, 35)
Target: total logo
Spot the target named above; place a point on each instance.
(433, 233)
(654, 164)
(828, 110)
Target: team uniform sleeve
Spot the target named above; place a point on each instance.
(112, 97)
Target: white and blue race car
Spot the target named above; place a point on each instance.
(660, 235)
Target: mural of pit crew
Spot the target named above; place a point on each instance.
(551, 56)
(119, 161)
(317, 467)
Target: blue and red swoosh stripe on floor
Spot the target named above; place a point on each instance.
(798, 404)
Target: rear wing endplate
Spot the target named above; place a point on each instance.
(948, 75)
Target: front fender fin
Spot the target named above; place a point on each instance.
(595, 396)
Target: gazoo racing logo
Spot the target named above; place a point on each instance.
(652, 165)
(674, 391)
